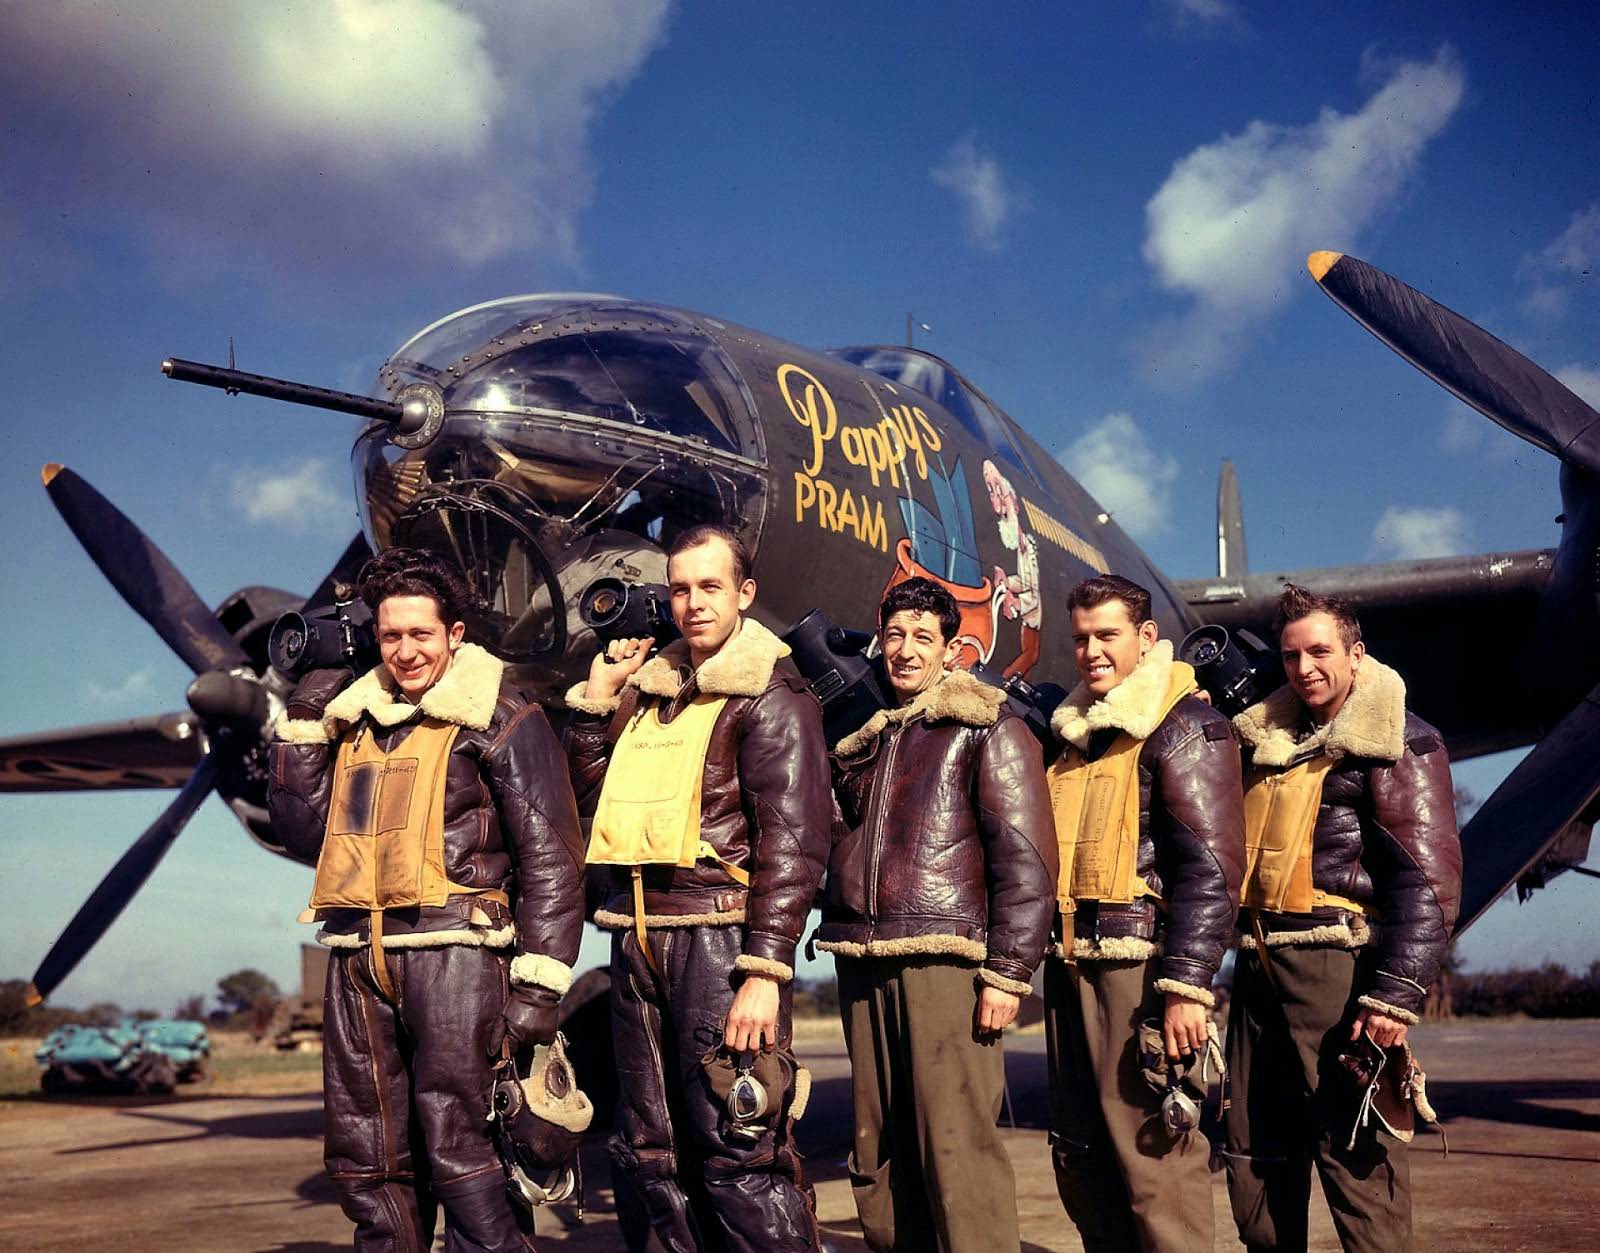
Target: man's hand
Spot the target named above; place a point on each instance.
(1184, 1026)
(753, 1017)
(610, 669)
(996, 1010)
(1386, 1032)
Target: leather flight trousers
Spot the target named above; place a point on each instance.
(929, 1170)
(702, 1187)
(1293, 1106)
(405, 1089)
(1126, 1184)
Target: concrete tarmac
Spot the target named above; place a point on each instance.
(1520, 1102)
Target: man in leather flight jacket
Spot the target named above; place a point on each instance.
(1350, 896)
(453, 936)
(941, 887)
(1148, 812)
(702, 957)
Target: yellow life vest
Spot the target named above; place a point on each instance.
(1280, 819)
(649, 810)
(1096, 806)
(384, 845)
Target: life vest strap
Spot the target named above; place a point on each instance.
(380, 963)
(640, 931)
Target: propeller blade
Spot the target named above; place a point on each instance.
(1530, 810)
(1464, 359)
(140, 571)
(119, 886)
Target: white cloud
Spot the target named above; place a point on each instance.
(1569, 257)
(1201, 12)
(1415, 532)
(133, 687)
(1231, 225)
(987, 198)
(1466, 432)
(1118, 467)
(301, 497)
(419, 128)
(1583, 380)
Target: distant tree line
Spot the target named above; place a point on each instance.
(241, 999)
(1550, 991)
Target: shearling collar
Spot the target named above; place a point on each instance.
(958, 697)
(1135, 705)
(741, 667)
(1370, 723)
(466, 695)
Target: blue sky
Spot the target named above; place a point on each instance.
(1102, 210)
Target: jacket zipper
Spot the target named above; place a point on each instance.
(875, 836)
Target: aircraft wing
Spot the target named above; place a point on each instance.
(158, 751)
(1443, 623)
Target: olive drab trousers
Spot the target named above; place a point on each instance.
(1293, 1107)
(929, 1169)
(1126, 1184)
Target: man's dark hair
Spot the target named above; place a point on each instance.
(1108, 587)
(704, 533)
(1296, 602)
(922, 596)
(415, 572)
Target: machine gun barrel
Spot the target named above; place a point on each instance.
(233, 381)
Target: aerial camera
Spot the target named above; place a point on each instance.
(338, 637)
(618, 610)
(1236, 670)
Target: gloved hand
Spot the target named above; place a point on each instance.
(531, 1017)
(312, 694)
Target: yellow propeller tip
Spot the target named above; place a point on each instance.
(31, 997)
(1319, 263)
(50, 471)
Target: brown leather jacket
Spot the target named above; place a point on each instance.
(510, 822)
(946, 843)
(764, 803)
(1385, 835)
(1191, 828)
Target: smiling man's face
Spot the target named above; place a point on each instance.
(1321, 670)
(416, 644)
(1107, 644)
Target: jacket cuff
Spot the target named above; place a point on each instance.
(576, 700)
(749, 965)
(287, 730)
(538, 971)
(1391, 989)
(1188, 991)
(1187, 970)
(1393, 1011)
(776, 949)
(994, 979)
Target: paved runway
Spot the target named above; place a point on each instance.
(1521, 1101)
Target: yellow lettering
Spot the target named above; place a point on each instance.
(850, 446)
(929, 432)
(871, 529)
(805, 494)
(812, 408)
(894, 448)
(846, 516)
(825, 502)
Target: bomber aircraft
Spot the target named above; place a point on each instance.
(555, 444)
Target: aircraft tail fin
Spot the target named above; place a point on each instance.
(1232, 559)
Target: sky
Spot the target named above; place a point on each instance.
(1101, 210)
